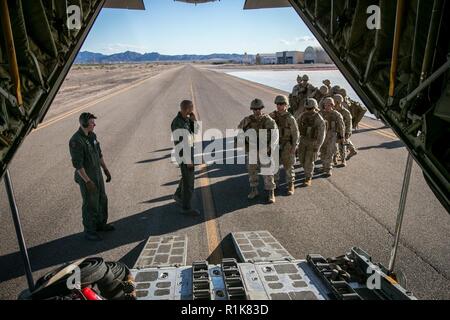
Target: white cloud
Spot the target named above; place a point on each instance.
(306, 39)
(121, 47)
(300, 42)
(286, 42)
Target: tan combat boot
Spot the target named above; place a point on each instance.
(352, 154)
(291, 189)
(308, 182)
(253, 193)
(335, 161)
(271, 197)
(343, 163)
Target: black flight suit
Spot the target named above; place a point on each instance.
(86, 153)
(185, 188)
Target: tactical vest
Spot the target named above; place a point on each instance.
(257, 123)
(282, 121)
(318, 96)
(330, 121)
(307, 126)
(346, 115)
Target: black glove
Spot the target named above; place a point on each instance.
(91, 187)
(108, 175)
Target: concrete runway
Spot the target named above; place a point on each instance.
(356, 207)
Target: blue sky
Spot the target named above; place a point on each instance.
(171, 27)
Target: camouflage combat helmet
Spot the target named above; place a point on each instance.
(335, 89)
(328, 99)
(324, 90)
(305, 77)
(326, 82)
(281, 100)
(311, 103)
(257, 104)
(338, 98)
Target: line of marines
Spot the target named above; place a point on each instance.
(312, 123)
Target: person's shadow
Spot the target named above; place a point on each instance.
(228, 184)
(160, 220)
(385, 145)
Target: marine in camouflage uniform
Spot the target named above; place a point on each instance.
(289, 139)
(335, 90)
(323, 93)
(356, 109)
(87, 159)
(312, 134)
(339, 106)
(334, 133)
(300, 93)
(258, 121)
(293, 97)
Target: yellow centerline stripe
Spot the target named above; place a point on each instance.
(212, 232)
(209, 211)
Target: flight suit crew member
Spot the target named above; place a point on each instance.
(312, 135)
(186, 121)
(87, 159)
(339, 106)
(289, 139)
(334, 134)
(258, 121)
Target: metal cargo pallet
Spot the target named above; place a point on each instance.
(267, 271)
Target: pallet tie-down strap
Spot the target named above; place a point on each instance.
(201, 282)
(233, 281)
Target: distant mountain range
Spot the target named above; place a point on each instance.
(85, 57)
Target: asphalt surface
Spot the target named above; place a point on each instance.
(356, 207)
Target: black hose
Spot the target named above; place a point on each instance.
(110, 278)
(92, 270)
(121, 271)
